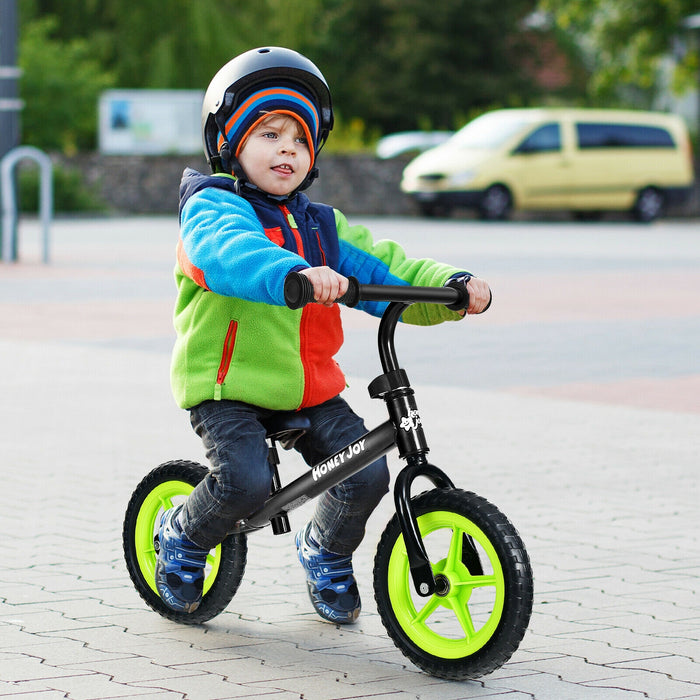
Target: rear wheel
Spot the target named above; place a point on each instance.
(478, 615)
(649, 206)
(164, 487)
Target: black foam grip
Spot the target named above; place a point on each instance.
(298, 290)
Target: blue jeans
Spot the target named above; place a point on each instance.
(239, 479)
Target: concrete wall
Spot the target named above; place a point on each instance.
(149, 185)
(357, 184)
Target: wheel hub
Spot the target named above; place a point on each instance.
(442, 585)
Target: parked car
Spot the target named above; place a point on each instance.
(404, 142)
(581, 160)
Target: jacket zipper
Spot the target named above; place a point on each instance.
(297, 234)
(227, 354)
(295, 229)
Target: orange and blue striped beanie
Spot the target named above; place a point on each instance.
(272, 99)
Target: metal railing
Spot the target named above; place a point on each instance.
(8, 196)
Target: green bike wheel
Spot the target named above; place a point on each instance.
(478, 615)
(164, 487)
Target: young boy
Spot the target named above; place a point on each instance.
(241, 354)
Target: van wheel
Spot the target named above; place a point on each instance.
(649, 205)
(496, 203)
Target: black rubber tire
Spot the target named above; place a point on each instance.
(649, 205)
(442, 646)
(496, 203)
(169, 481)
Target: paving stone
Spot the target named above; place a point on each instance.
(204, 685)
(656, 686)
(679, 668)
(22, 690)
(27, 667)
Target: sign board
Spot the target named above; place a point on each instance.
(151, 122)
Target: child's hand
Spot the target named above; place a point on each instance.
(479, 295)
(328, 284)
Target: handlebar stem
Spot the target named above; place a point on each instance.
(385, 335)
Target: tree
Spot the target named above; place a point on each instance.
(624, 43)
(403, 64)
(61, 83)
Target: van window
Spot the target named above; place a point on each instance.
(599, 135)
(546, 138)
(489, 131)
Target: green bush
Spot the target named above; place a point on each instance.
(70, 193)
(351, 136)
(61, 83)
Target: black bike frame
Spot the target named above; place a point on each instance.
(403, 430)
(340, 466)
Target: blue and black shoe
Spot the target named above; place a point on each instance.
(329, 579)
(180, 565)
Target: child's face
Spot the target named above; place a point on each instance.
(275, 156)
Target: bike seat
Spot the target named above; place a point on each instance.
(286, 427)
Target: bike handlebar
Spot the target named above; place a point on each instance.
(298, 291)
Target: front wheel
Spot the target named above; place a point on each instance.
(478, 615)
(496, 203)
(164, 487)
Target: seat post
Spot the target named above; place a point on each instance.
(280, 523)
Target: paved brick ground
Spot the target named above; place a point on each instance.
(600, 480)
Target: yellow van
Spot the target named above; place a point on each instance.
(583, 160)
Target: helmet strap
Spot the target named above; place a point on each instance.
(225, 156)
(230, 164)
(308, 180)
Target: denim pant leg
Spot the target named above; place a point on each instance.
(239, 479)
(341, 512)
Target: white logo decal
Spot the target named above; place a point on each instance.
(411, 421)
(329, 465)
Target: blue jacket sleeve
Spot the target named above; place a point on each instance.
(385, 262)
(225, 244)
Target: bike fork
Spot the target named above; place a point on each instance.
(393, 386)
(421, 570)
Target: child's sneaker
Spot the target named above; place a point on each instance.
(180, 565)
(330, 580)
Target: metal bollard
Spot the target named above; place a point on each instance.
(9, 203)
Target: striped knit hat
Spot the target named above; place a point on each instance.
(264, 100)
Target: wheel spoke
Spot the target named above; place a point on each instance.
(426, 611)
(454, 554)
(477, 581)
(166, 503)
(464, 617)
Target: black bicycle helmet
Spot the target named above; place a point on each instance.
(263, 80)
